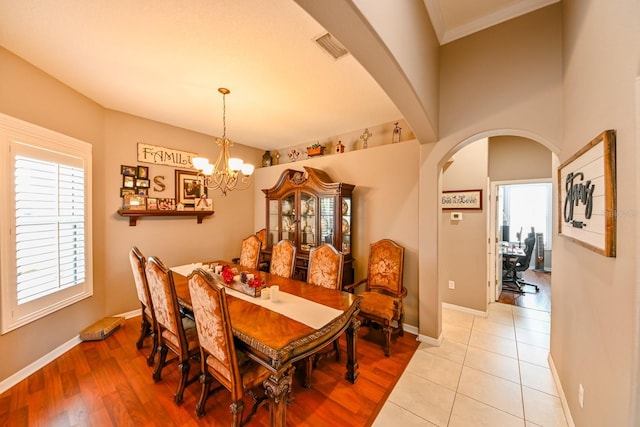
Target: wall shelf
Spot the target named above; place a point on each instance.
(133, 215)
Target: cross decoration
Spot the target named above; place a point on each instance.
(365, 137)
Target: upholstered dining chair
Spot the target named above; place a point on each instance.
(283, 259)
(324, 269)
(148, 325)
(219, 358)
(382, 298)
(250, 252)
(175, 333)
(262, 263)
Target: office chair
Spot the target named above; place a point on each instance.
(513, 265)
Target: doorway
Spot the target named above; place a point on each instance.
(522, 209)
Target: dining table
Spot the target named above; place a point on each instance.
(278, 333)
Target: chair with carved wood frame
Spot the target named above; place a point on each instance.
(263, 264)
(325, 269)
(148, 325)
(175, 333)
(382, 300)
(250, 252)
(283, 259)
(220, 360)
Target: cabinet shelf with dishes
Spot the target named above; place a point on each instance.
(309, 209)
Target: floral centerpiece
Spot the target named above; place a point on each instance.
(243, 282)
(316, 149)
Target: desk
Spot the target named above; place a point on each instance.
(276, 341)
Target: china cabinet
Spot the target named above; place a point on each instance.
(309, 209)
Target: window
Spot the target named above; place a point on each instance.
(46, 222)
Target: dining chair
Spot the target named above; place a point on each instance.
(148, 325)
(250, 252)
(220, 360)
(175, 332)
(324, 269)
(263, 264)
(283, 259)
(382, 299)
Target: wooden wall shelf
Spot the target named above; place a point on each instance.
(133, 215)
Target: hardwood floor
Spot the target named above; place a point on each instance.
(108, 383)
(540, 300)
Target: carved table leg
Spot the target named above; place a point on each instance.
(352, 351)
(277, 389)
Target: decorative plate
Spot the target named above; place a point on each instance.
(345, 226)
(286, 207)
(345, 207)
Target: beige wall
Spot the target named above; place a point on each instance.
(514, 158)
(462, 249)
(385, 203)
(595, 299)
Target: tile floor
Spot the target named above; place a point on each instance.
(489, 371)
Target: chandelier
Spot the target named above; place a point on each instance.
(227, 173)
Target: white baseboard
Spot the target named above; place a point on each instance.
(464, 309)
(431, 341)
(411, 329)
(563, 398)
(23, 373)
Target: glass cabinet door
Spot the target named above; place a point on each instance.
(327, 215)
(273, 232)
(346, 225)
(308, 221)
(288, 207)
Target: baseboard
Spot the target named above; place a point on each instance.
(24, 373)
(464, 309)
(563, 398)
(411, 329)
(431, 341)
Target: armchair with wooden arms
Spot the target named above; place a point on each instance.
(382, 300)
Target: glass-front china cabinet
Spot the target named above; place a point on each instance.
(309, 209)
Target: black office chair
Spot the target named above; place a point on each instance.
(513, 265)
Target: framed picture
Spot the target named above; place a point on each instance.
(167, 204)
(135, 202)
(128, 181)
(587, 195)
(141, 191)
(143, 172)
(128, 170)
(143, 183)
(465, 199)
(127, 192)
(152, 203)
(188, 188)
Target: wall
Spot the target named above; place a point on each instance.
(462, 241)
(594, 331)
(505, 80)
(385, 203)
(515, 158)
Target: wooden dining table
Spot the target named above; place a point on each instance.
(277, 341)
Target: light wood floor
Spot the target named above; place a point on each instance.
(108, 383)
(540, 300)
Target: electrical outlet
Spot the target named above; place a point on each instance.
(581, 395)
(452, 284)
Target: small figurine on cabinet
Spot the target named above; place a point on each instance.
(365, 138)
(397, 134)
(339, 147)
(266, 159)
(275, 158)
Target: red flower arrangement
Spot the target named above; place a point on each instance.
(227, 274)
(255, 283)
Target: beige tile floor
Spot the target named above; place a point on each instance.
(489, 371)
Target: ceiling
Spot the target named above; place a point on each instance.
(164, 61)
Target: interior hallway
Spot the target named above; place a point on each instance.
(489, 371)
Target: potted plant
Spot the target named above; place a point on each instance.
(316, 149)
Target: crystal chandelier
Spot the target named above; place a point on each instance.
(227, 173)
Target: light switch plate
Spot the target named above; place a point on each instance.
(456, 216)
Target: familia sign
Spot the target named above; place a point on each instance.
(587, 195)
(165, 156)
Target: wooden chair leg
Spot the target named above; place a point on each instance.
(237, 408)
(205, 380)
(162, 358)
(183, 367)
(154, 348)
(387, 342)
(145, 329)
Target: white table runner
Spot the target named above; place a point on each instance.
(310, 313)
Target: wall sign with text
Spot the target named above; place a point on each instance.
(587, 195)
(165, 156)
(467, 199)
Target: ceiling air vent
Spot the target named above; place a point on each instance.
(332, 46)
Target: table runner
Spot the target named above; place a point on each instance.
(310, 313)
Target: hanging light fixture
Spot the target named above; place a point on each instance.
(227, 173)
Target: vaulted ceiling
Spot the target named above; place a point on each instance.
(165, 61)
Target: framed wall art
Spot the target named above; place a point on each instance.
(188, 188)
(465, 199)
(587, 195)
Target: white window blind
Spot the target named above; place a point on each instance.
(50, 243)
(45, 217)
